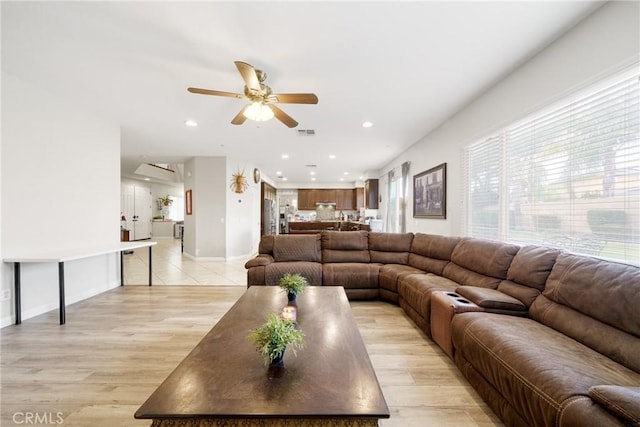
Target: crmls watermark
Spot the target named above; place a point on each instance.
(39, 418)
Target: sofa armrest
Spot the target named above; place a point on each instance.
(258, 261)
(491, 299)
(621, 401)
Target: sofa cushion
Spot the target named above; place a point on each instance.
(390, 248)
(624, 402)
(531, 266)
(491, 299)
(345, 246)
(431, 253)
(391, 273)
(487, 257)
(266, 245)
(312, 271)
(522, 293)
(537, 369)
(596, 303)
(302, 247)
(604, 290)
(351, 275)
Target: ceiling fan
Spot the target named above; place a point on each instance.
(263, 101)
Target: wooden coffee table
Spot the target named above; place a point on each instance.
(223, 381)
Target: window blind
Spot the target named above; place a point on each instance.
(567, 177)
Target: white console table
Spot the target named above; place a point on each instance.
(63, 257)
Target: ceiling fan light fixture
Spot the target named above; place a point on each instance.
(258, 112)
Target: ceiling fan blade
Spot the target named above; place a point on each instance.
(240, 118)
(296, 98)
(214, 92)
(283, 117)
(249, 75)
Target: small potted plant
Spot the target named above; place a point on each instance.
(272, 338)
(293, 284)
(166, 200)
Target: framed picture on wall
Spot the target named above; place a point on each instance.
(430, 193)
(187, 202)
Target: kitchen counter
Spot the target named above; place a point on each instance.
(312, 227)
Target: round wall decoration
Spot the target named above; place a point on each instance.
(256, 175)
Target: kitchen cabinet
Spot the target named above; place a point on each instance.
(359, 197)
(326, 196)
(371, 193)
(345, 199)
(306, 199)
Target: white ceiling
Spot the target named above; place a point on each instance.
(405, 66)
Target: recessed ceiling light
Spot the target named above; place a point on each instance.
(312, 173)
(278, 172)
(341, 179)
(313, 179)
(367, 124)
(285, 156)
(332, 156)
(284, 178)
(346, 173)
(147, 179)
(191, 123)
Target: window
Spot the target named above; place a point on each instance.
(567, 177)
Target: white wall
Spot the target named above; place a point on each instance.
(224, 224)
(605, 42)
(60, 191)
(243, 213)
(205, 231)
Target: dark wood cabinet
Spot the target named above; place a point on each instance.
(359, 197)
(326, 196)
(306, 199)
(371, 193)
(345, 199)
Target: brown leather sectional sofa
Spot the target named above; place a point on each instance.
(547, 338)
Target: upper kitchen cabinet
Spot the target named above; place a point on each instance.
(371, 193)
(345, 199)
(359, 197)
(307, 199)
(326, 196)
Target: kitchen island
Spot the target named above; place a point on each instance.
(313, 227)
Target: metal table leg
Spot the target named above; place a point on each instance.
(61, 291)
(150, 266)
(121, 268)
(16, 292)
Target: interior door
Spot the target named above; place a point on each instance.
(142, 213)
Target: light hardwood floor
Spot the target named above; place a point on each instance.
(117, 347)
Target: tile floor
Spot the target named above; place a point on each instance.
(171, 267)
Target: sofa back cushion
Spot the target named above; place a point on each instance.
(297, 247)
(531, 266)
(431, 253)
(528, 273)
(390, 248)
(345, 246)
(266, 245)
(596, 303)
(479, 262)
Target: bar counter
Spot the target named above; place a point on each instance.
(312, 227)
